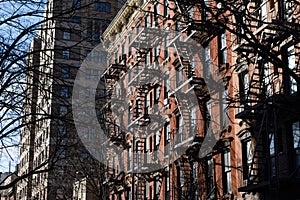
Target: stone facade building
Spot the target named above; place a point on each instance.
(49, 142)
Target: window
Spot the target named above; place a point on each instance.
(206, 67)
(150, 144)
(267, 79)
(224, 109)
(156, 14)
(156, 94)
(167, 186)
(264, 11)
(292, 66)
(63, 110)
(87, 92)
(88, 74)
(156, 188)
(243, 84)
(95, 74)
(180, 181)
(206, 12)
(193, 121)
(61, 152)
(222, 49)
(86, 132)
(247, 157)
(147, 23)
(129, 158)
(288, 9)
(296, 138)
(130, 116)
(226, 171)
(76, 19)
(272, 154)
(65, 72)
(167, 138)
(66, 53)
(146, 190)
(89, 35)
(179, 76)
(96, 37)
(85, 154)
(62, 130)
(76, 3)
(272, 4)
(179, 126)
(102, 7)
(66, 35)
(88, 53)
(166, 6)
(156, 140)
(64, 92)
(156, 54)
(166, 50)
(210, 177)
(103, 57)
(93, 134)
(166, 88)
(96, 56)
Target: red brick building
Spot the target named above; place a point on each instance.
(185, 124)
(253, 157)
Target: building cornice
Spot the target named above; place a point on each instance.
(121, 18)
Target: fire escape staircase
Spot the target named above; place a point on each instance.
(256, 89)
(140, 114)
(187, 184)
(260, 168)
(259, 154)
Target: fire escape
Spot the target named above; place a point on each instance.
(261, 104)
(116, 181)
(144, 80)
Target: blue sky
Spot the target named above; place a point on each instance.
(30, 13)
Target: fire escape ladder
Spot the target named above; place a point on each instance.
(141, 55)
(256, 86)
(187, 173)
(187, 129)
(140, 101)
(253, 14)
(258, 160)
(211, 193)
(183, 9)
(140, 189)
(184, 57)
(140, 149)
